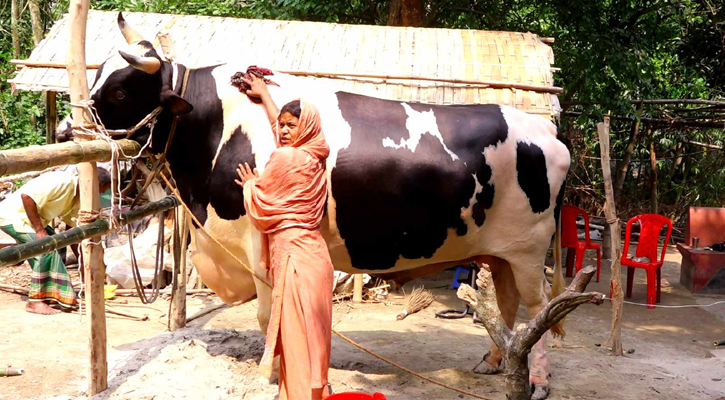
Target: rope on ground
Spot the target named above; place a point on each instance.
(417, 375)
(343, 337)
(676, 306)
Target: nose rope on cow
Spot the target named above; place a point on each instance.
(336, 332)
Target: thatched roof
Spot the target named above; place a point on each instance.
(457, 60)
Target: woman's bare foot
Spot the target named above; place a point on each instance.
(38, 307)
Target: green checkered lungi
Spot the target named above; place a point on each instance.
(50, 280)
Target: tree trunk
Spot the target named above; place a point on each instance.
(406, 13)
(624, 166)
(35, 21)
(653, 165)
(610, 211)
(14, 20)
(516, 345)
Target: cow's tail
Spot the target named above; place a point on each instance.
(557, 286)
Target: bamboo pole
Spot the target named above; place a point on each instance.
(610, 210)
(491, 84)
(90, 202)
(178, 304)
(15, 254)
(357, 288)
(46, 64)
(675, 123)
(38, 158)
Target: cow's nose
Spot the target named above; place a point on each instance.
(64, 131)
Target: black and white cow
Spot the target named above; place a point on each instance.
(413, 187)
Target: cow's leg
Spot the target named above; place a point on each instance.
(507, 296)
(535, 292)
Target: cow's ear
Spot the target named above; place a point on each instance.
(174, 103)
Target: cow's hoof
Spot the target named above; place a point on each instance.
(539, 392)
(487, 369)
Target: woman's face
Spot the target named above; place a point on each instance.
(288, 129)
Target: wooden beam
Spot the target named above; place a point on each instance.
(706, 145)
(656, 121)
(610, 210)
(178, 304)
(14, 254)
(38, 158)
(652, 101)
(51, 116)
(47, 64)
(357, 280)
(491, 84)
(90, 203)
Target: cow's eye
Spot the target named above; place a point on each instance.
(120, 95)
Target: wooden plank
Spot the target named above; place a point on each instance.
(51, 116)
(90, 202)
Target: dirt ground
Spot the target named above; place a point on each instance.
(216, 357)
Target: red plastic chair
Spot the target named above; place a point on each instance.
(355, 396)
(650, 226)
(570, 239)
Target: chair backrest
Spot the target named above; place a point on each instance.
(569, 231)
(650, 226)
(707, 224)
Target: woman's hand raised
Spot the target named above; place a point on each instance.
(257, 87)
(246, 173)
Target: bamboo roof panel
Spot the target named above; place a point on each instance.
(390, 58)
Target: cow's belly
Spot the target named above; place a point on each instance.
(219, 270)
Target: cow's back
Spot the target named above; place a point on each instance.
(417, 184)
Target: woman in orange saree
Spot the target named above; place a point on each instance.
(286, 204)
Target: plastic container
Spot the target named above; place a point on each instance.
(356, 396)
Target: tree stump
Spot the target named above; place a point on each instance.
(517, 345)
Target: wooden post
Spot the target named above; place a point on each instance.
(653, 165)
(90, 202)
(51, 116)
(610, 211)
(178, 305)
(357, 288)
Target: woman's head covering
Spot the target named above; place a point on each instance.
(311, 139)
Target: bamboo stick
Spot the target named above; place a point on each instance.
(610, 209)
(658, 121)
(189, 292)
(14, 254)
(208, 311)
(178, 305)
(491, 84)
(90, 203)
(38, 158)
(357, 288)
(14, 289)
(47, 64)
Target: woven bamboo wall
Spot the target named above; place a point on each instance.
(310, 46)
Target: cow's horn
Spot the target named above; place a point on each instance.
(132, 37)
(150, 65)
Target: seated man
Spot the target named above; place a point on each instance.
(26, 215)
